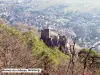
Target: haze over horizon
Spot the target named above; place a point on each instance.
(74, 5)
(78, 5)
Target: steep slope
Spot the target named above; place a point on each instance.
(25, 50)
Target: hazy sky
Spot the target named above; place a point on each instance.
(95, 2)
(80, 5)
(92, 2)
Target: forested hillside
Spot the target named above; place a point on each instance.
(25, 50)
